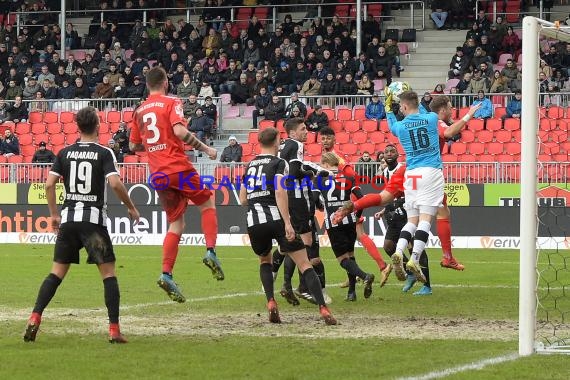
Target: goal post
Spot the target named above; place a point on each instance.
(533, 29)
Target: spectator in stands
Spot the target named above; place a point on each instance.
(460, 9)
(103, 89)
(478, 58)
(60, 76)
(31, 88)
(300, 76)
(9, 145)
(231, 77)
(275, 110)
(347, 86)
(49, 91)
(209, 109)
(545, 68)
(284, 78)
(382, 65)
(512, 44)
(261, 102)
(375, 109)
(295, 103)
(486, 110)
(560, 80)
(329, 87)
(317, 120)
(43, 155)
(424, 104)
(3, 110)
(483, 23)
(201, 125)
(459, 64)
(114, 146)
(13, 90)
(514, 106)
(65, 91)
(499, 83)
(511, 72)
(365, 86)
(206, 90)
(439, 89)
(293, 114)
(94, 79)
(362, 66)
(552, 97)
(233, 152)
(478, 83)
(81, 90)
(136, 90)
(18, 110)
(439, 13)
(120, 89)
(486, 70)
(455, 100)
(311, 87)
(186, 87)
(113, 74)
(364, 167)
(489, 48)
(190, 106)
(39, 104)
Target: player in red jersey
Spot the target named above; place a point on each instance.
(160, 128)
(441, 105)
(328, 141)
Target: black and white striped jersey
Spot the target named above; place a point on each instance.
(293, 150)
(263, 173)
(335, 191)
(84, 167)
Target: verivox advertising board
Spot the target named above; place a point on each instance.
(24, 218)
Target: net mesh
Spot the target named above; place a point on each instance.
(553, 215)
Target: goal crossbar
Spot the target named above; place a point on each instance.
(533, 28)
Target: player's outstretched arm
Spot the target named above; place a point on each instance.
(458, 126)
(183, 134)
(51, 199)
(119, 189)
(133, 147)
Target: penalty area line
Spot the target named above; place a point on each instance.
(474, 366)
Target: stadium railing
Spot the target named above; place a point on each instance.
(345, 10)
(454, 172)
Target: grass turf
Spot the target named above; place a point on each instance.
(72, 345)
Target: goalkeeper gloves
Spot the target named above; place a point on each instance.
(388, 100)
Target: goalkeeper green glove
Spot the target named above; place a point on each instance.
(388, 100)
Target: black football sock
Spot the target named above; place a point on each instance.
(312, 253)
(352, 268)
(320, 271)
(314, 286)
(112, 298)
(351, 283)
(277, 260)
(288, 271)
(46, 292)
(302, 285)
(424, 263)
(266, 277)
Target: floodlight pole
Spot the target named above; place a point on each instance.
(528, 205)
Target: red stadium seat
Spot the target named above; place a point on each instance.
(503, 136)
(376, 137)
(35, 117)
(547, 124)
(513, 148)
(38, 128)
(517, 135)
(458, 148)
(348, 149)
(311, 138)
(369, 125)
(484, 136)
(113, 117)
(58, 139)
(266, 124)
(54, 128)
(15, 159)
(366, 147)
(476, 125)
(493, 124)
(25, 139)
(22, 128)
(313, 149)
(131, 158)
(467, 136)
(467, 158)
(104, 127)
(384, 126)
(330, 113)
(351, 125)
(476, 148)
(359, 137)
(486, 158)
(559, 136)
(252, 138)
(512, 124)
(342, 138)
(449, 158)
(555, 112)
(495, 148)
(70, 128)
(343, 114)
(462, 112)
(66, 117)
(499, 112)
(51, 117)
(360, 114)
(335, 125)
(127, 116)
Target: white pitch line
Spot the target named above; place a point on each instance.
(466, 367)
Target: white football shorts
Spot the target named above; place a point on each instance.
(423, 189)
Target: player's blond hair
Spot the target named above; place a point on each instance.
(330, 158)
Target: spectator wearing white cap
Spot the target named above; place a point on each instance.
(232, 152)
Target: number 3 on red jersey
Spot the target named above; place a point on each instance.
(149, 120)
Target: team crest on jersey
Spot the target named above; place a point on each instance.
(179, 110)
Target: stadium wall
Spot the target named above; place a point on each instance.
(484, 216)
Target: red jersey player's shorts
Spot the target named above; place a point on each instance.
(182, 187)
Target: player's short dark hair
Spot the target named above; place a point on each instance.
(155, 78)
(327, 131)
(293, 124)
(390, 145)
(87, 120)
(267, 137)
(438, 103)
(410, 97)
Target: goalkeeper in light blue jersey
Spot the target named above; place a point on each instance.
(423, 184)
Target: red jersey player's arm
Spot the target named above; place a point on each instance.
(183, 134)
(135, 141)
(456, 127)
